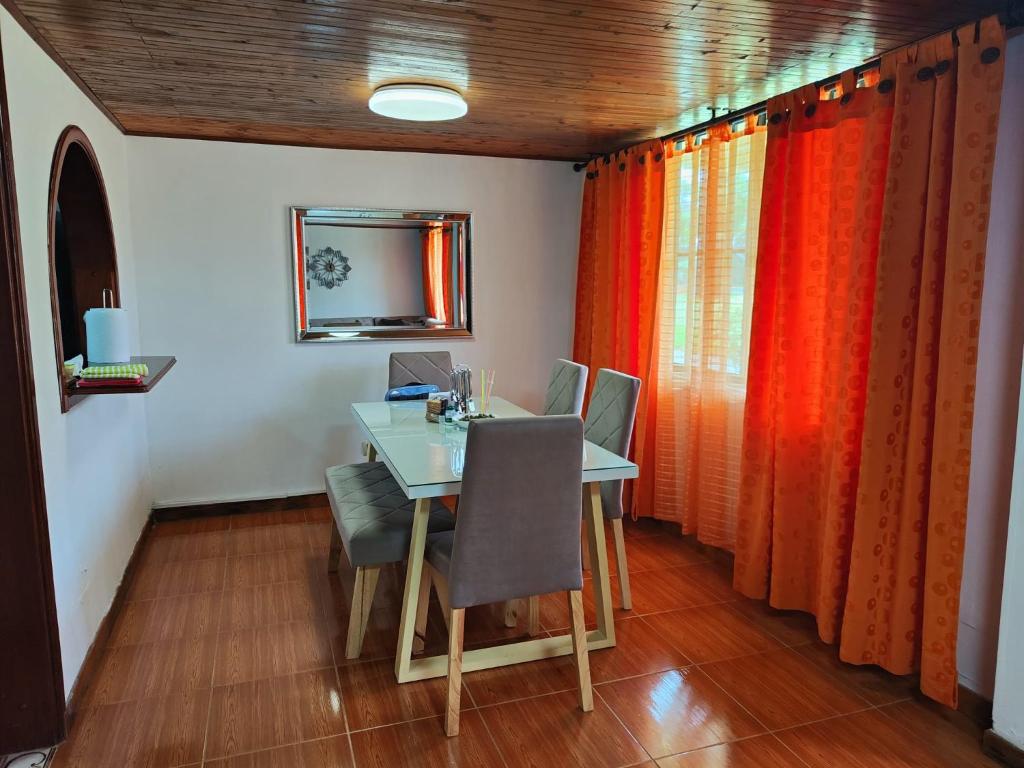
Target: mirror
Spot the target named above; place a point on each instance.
(364, 274)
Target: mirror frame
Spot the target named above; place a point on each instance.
(302, 214)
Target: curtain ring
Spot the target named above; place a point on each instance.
(622, 166)
(657, 157)
(942, 67)
(606, 159)
(886, 85)
(641, 159)
(925, 73)
(776, 118)
(990, 55)
(845, 99)
(591, 175)
(810, 109)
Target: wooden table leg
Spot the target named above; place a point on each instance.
(594, 518)
(410, 601)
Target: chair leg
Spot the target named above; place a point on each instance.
(585, 546)
(441, 585)
(362, 601)
(579, 650)
(451, 715)
(422, 606)
(621, 565)
(336, 546)
(533, 615)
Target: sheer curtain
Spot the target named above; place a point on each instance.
(712, 202)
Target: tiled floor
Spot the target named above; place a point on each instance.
(229, 653)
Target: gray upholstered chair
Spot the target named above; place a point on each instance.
(373, 524)
(420, 368)
(517, 534)
(565, 389)
(609, 424)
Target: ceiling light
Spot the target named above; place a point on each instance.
(418, 102)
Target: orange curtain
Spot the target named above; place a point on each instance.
(437, 272)
(713, 200)
(902, 605)
(617, 274)
(821, 212)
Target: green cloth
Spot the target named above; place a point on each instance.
(124, 371)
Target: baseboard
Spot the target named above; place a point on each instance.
(246, 506)
(995, 746)
(94, 656)
(976, 707)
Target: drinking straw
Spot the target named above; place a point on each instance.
(490, 390)
(483, 390)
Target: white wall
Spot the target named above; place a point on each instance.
(386, 277)
(1008, 705)
(94, 457)
(1008, 200)
(995, 414)
(248, 412)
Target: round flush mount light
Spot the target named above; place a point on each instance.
(418, 102)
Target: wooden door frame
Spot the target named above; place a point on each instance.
(32, 704)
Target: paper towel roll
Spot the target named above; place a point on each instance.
(106, 335)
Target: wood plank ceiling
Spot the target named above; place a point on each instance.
(543, 78)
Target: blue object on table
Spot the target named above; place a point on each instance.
(411, 392)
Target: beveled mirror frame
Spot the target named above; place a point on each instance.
(461, 265)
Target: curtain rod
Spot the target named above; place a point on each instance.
(1012, 18)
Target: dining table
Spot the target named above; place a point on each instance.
(426, 459)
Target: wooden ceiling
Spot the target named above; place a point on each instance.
(543, 78)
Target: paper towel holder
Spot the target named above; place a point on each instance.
(83, 256)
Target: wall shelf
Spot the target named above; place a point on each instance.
(158, 367)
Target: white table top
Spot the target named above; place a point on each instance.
(427, 461)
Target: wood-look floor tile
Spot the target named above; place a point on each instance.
(759, 752)
(151, 733)
(373, 697)
(640, 649)
(714, 576)
(168, 618)
(872, 739)
(200, 546)
(192, 526)
(648, 553)
(274, 712)
(959, 740)
(645, 526)
(131, 672)
(669, 589)
(790, 627)
(781, 688)
(711, 632)
(153, 580)
(270, 567)
(872, 683)
(270, 604)
(381, 638)
(552, 730)
(332, 752)
(423, 743)
(319, 514)
(677, 711)
(318, 537)
(272, 651)
(337, 589)
(521, 681)
(266, 538)
(276, 517)
(554, 610)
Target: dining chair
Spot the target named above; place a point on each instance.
(565, 389)
(517, 534)
(420, 368)
(609, 424)
(373, 524)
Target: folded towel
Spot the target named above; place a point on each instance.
(130, 381)
(125, 370)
